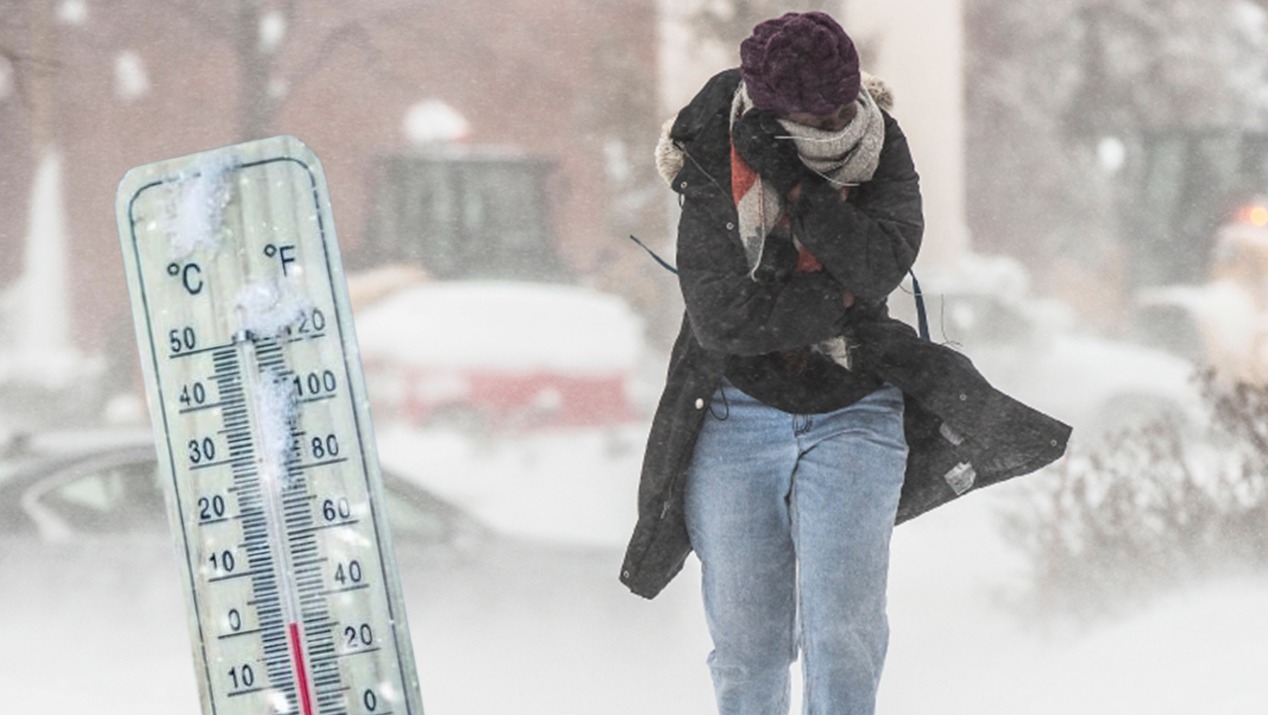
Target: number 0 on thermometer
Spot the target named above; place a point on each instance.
(265, 445)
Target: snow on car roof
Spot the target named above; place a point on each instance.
(505, 326)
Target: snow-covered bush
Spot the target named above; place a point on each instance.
(1155, 508)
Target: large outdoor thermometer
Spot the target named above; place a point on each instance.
(260, 416)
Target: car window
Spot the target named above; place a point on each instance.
(108, 497)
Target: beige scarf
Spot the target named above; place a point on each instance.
(845, 158)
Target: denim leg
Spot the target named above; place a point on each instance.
(736, 501)
(844, 498)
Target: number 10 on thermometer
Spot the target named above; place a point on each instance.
(263, 433)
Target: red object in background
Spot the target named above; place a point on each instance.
(498, 400)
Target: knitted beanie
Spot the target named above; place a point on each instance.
(800, 62)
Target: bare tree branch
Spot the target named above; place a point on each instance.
(351, 33)
(260, 69)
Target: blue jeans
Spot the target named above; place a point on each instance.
(791, 517)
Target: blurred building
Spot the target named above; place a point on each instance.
(112, 86)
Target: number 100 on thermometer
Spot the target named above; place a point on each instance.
(263, 432)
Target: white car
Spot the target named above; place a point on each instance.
(502, 354)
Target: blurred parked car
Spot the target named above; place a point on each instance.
(66, 488)
(1221, 322)
(1034, 350)
(90, 594)
(497, 355)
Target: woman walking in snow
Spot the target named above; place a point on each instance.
(800, 422)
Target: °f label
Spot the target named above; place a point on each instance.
(265, 445)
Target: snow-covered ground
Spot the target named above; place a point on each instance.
(955, 647)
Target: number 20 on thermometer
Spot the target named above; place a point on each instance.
(263, 433)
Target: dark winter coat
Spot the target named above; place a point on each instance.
(867, 244)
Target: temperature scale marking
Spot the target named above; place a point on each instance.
(265, 442)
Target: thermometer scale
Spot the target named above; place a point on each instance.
(262, 425)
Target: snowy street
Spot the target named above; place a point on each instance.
(555, 632)
(956, 647)
(568, 638)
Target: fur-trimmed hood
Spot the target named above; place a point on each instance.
(669, 156)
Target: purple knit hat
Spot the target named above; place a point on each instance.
(801, 62)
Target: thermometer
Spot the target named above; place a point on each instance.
(262, 426)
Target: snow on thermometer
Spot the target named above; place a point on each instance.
(259, 410)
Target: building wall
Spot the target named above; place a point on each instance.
(923, 61)
(560, 79)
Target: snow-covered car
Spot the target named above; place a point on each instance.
(1222, 321)
(501, 354)
(91, 596)
(1034, 349)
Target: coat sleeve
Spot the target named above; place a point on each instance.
(869, 241)
(731, 313)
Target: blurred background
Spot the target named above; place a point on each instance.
(1095, 175)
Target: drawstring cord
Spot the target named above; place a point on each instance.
(922, 317)
(725, 404)
(663, 263)
(712, 180)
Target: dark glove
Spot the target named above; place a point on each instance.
(778, 259)
(754, 136)
(816, 191)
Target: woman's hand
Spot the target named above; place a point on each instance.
(762, 142)
(794, 193)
